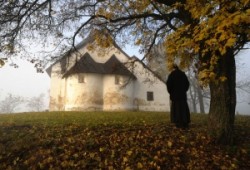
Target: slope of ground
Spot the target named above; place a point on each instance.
(116, 140)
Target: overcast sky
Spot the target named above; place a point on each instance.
(24, 81)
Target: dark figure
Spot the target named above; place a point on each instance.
(177, 86)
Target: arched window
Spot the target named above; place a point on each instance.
(81, 78)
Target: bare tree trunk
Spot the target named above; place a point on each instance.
(223, 101)
(192, 93)
(200, 98)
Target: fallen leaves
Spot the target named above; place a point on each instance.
(123, 146)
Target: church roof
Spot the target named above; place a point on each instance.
(87, 65)
(90, 38)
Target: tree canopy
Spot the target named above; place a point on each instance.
(206, 32)
(188, 28)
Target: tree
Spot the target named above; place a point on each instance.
(36, 103)
(207, 32)
(216, 34)
(196, 93)
(10, 103)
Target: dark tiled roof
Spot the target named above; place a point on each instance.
(87, 65)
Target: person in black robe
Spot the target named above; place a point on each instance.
(177, 86)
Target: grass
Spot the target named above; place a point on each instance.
(83, 118)
(116, 140)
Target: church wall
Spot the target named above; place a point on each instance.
(148, 83)
(57, 89)
(116, 96)
(87, 95)
(99, 55)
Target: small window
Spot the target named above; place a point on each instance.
(118, 80)
(81, 78)
(150, 96)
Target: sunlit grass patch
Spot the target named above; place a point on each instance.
(84, 118)
(91, 118)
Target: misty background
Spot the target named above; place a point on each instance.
(25, 82)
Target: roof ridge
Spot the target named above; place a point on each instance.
(88, 65)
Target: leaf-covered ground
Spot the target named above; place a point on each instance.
(134, 140)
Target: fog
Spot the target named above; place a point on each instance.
(25, 81)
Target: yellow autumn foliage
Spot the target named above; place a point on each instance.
(209, 30)
(103, 40)
(219, 24)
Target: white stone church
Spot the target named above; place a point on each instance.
(92, 80)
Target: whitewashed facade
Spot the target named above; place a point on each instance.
(89, 80)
